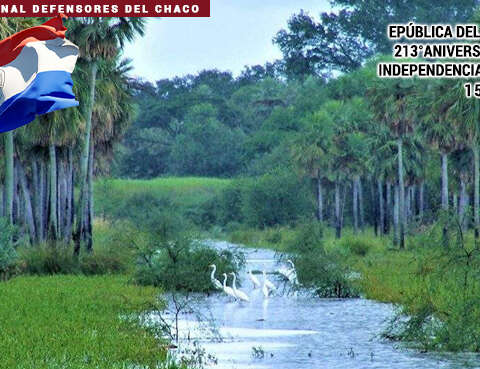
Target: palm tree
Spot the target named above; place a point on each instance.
(390, 103)
(9, 26)
(432, 106)
(465, 113)
(98, 39)
(383, 164)
(311, 149)
(462, 166)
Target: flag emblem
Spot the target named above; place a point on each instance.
(35, 73)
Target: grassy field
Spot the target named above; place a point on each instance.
(188, 196)
(181, 189)
(76, 322)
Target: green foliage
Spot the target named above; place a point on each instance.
(185, 267)
(8, 255)
(316, 268)
(344, 39)
(77, 322)
(56, 258)
(436, 288)
(277, 198)
(205, 146)
(135, 200)
(308, 238)
(169, 257)
(357, 245)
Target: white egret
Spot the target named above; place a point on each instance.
(266, 282)
(292, 276)
(289, 273)
(228, 290)
(216, 283)
(239, 293)
(284, 271)
(256, 283)
(265, 289)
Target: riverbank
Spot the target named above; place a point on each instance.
(436, 289)
(77, 322)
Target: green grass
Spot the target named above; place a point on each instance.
(190, 197)
(182, 189)
(76, 322)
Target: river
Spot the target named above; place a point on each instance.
(303, 332)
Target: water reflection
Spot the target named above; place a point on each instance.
(302, 332)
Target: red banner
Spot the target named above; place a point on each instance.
(102, 8)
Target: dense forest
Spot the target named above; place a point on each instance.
(360, 151)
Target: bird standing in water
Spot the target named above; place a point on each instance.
(226, 289)
(256, 283)
(216, 283)
(239, 293)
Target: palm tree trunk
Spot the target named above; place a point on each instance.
(408, 203)
(70, 199)
(9, 174)
(16, 198)
(421, 201)
(338, 221)
(82, 203)
(44, 198)
(28, 202)
(401, 202)
(444, 182)
(381, 207)
(396, 216)
(37, 200)
(89, 224)
(414, 200)
(2, 198)
(61, 191)
(53, 224)
(476, 195)
(319, 200)
(462, 206)
(360, 204)
(355, 205)
(373, 199)
(388, 207)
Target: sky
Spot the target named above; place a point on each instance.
(238, 33)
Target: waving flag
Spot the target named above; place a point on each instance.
(35, 73)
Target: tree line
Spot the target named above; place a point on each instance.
(46, 161)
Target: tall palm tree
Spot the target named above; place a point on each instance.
(9, 26)
(431, 107)
(311, 149)
(99, 39)
(466, 114)
(390, 103)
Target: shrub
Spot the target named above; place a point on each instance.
(8, 255)
(170, 258)
(278, 198)
(357, 245)
(186, 267)
(112, 253)
(230, 203)
(307, 238)
(316, 268)
(324, 273)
